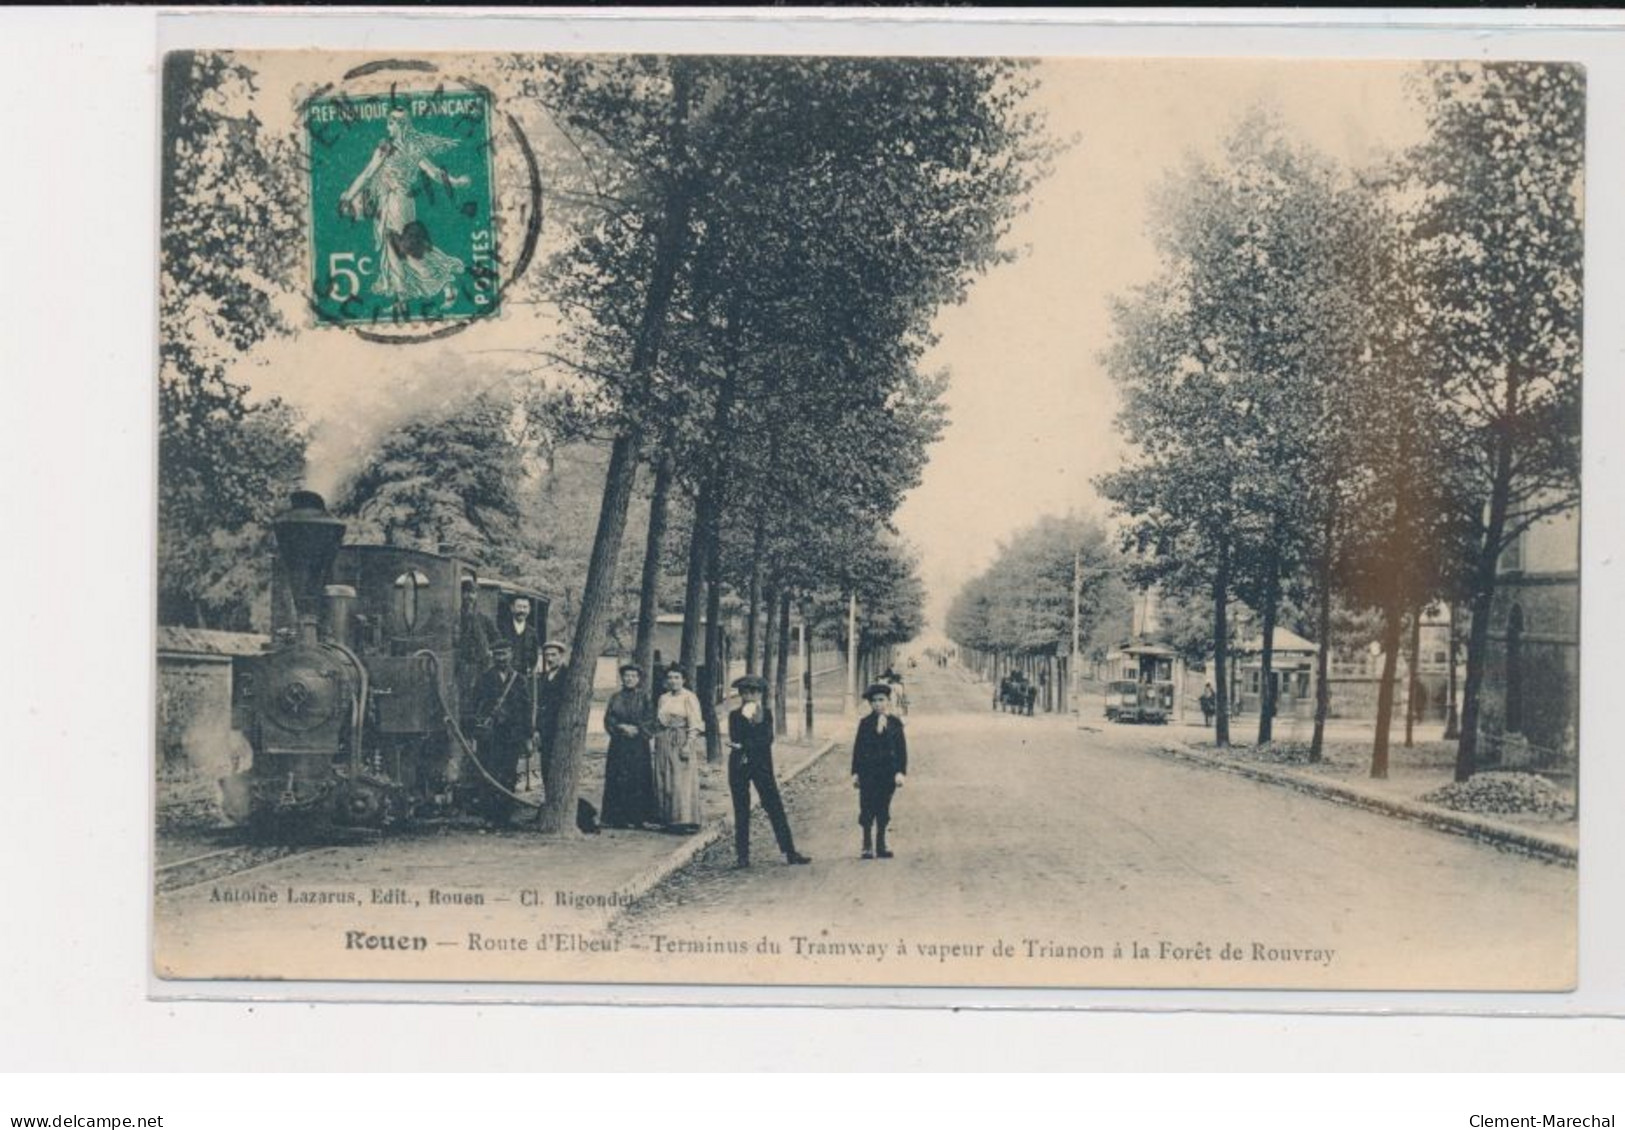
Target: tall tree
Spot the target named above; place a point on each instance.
(1383, 492)
(451, 479)
(624, 278)
(1022, 605)
(1184, 492)
(1267, 218)
(899, 175)
(229, 239)
(1499, 224)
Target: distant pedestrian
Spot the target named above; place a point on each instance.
(879, 766)
(629, 783)
(750, 762)
(679, 728)
(1209, 702)
(895, 681)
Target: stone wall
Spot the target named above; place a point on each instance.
(195, 742)
(1355, 696)
(1550, 665)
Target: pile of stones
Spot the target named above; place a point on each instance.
(1280, 753)
(1505, 794)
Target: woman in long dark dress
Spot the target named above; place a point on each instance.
(629, 784)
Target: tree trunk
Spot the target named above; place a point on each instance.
(757, 540)
(708, 508)
(1478, 638)
(562, 771)
(781, 676)
(1414, 663)
(770, 638)
(1403, 539)
(807, 670)
(1391, 617)
(569, 738)
(1266, 688)
(1452, 717)
(688, 650)
(1478, 635)
(1323, 690)
(1221, 646)
(715, 683)
(649, 591)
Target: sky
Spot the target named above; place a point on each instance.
(1031, 409)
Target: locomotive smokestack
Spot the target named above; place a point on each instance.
(307, 539)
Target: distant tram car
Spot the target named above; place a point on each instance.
(352, 712)
(1130, 701)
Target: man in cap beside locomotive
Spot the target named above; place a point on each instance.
(750, 762)
(879, 766)
(502, 712)
(520, 631)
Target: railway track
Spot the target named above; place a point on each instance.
(212, 866)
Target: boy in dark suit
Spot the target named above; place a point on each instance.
(879, 766)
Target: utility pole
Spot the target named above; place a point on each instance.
(1072, 663)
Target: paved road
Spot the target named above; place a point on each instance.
(1068, 844)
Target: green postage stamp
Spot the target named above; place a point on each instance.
(401, 224)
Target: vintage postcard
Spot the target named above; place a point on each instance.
(868, 521)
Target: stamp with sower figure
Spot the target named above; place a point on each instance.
(401, 189)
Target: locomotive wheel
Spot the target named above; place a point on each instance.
(361, 804)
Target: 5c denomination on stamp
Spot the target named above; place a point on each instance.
(402, 228)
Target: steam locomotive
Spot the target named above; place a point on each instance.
(352, 711)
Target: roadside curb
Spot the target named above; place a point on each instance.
(1441, 819)
(685, 853)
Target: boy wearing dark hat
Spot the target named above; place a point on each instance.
(879, 766)
(750, 762)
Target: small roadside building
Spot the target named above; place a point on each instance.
(668, 636)
(1292, 675)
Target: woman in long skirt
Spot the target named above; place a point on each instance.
(629, 784)
(679, 747)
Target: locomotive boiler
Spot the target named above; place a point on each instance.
(352, 712)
